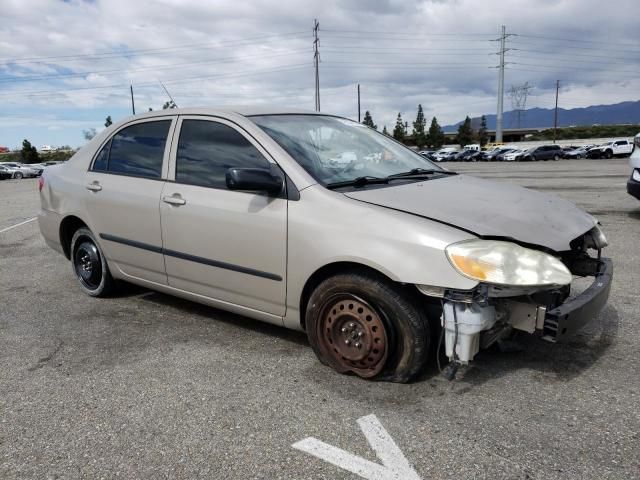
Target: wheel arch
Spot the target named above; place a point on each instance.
(68, 227)
(332, 269)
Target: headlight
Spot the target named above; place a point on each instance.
(636, 175)
(506, 263)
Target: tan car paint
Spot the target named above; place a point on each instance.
(291, 239)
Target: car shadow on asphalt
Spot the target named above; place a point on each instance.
(559, 362)
(216, 315)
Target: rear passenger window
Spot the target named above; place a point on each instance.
(138, 150)
(207, 149)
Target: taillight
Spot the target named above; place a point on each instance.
(40, 183)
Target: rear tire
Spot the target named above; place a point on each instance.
(556, 158)
(364, 324)
(89, 264)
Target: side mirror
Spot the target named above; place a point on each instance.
(254, 179)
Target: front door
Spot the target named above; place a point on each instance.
(227, 245)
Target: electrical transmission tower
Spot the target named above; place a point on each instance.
(316, 60)
(518, 95)
(503, 50)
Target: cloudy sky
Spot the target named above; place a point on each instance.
(65, 66)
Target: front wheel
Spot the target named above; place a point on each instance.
(90, 265)
(608, 154)
(18, 175)
(556, 158)
(364, 324)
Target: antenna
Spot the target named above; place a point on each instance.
(168, 94)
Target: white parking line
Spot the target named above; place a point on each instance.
(18, 224)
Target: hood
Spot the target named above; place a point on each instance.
(487, 209)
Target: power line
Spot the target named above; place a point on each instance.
(146, 84)
(128, 53)
(143, 69)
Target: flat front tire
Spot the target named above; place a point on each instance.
(364, 324)
(89, 264)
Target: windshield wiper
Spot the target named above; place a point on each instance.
(416, 172)
(358, 182)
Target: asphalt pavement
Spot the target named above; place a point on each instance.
(144, 385)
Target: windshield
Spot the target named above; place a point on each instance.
(333, 149)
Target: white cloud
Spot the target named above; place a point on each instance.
(410, 52)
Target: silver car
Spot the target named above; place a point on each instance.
(21, 170)
(379, 258)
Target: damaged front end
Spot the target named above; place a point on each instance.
(531, 294)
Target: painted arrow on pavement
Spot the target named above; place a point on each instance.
(394, 464)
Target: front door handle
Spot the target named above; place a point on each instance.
(174, 199)
(94, 187)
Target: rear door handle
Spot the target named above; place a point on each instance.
(174, 199)
(94, 187)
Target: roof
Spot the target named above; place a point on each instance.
(245, 110)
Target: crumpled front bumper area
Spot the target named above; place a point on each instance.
(578, 311)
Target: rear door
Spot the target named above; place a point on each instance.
(122, 194)
(230, 246)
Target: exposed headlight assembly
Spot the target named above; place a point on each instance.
(505, 263)
(597, 237)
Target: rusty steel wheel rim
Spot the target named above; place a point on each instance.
(353, 335)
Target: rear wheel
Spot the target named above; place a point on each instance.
(89, 264)
(556, 157)
(364, 324)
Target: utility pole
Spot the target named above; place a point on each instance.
(316, 60)
(133, 105)
(503, 39)
(358, 103)
(555, 113)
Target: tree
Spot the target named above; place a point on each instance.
(108, 121)
(465, 132)
(435, 137)
(89, 134)
(398, 130)
(385, 131)
(169, 104)
(418, 128)
(29, 153)
(368, 120)
(482, 131)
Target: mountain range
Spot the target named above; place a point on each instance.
(618, 113)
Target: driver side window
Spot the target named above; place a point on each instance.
(206, 150)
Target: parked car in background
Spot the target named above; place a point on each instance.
(511, 155)
(5, 173)
(543, 152)
(23, 170)
(427, 154)
(577, 152)
(239, 210)
(633, 185)
(443, 152)
(616, 148)
(492, 156)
